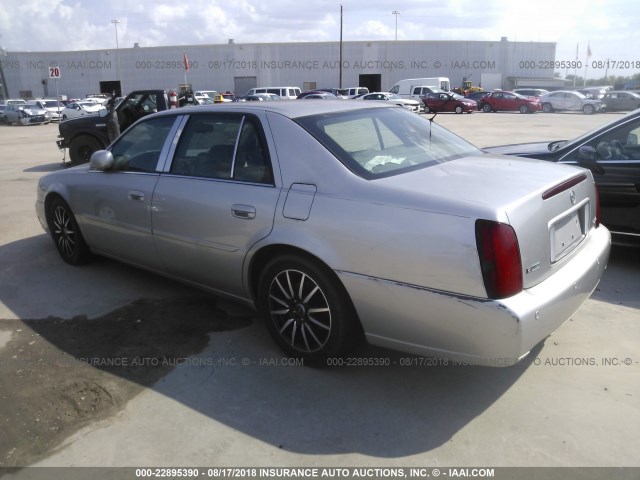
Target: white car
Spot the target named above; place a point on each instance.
(53, 106)
(78, 109)
(392, 97)
(569, 100)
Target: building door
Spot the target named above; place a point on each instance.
(111, 86)
(242, 85)
(373, 81)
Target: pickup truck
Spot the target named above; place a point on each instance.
(84, 135)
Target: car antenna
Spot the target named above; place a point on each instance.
(431, 123)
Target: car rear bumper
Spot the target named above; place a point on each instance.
(473, 330)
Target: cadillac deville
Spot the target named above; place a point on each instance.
(341, 219)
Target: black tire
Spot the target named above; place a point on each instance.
(588, 109)
(524, 109)
(547, 108)
(66, 233)
(426, 109)
(486, 108)
(458, 109)
(307, 310)
(82, 147)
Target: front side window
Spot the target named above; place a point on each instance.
(381, 142)
(223, 146)
(620, 143)
(138, 150)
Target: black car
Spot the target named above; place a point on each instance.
(477, 96)
(612, 153)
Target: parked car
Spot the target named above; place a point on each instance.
(620, 100)
(476, 97)
(23, 114)
(448, 102)
(612, 152)
(53, 106)
(413, 105)
(311, 92)
(569, 100)
(531, 92)
(320, 96)
(212, 94)
(594, 93)
(480, 258)
(508, 101)
(81, 108)
(260, 97)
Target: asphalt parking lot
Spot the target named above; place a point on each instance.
(105, 365)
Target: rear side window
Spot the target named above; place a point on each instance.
(223, 146)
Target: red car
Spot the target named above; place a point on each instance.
(509, 101)
(447, 102)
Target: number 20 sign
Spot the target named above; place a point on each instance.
(54, 72)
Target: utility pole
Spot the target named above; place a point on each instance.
(396, 13)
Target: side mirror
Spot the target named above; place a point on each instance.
(101, 160)
(587, 158)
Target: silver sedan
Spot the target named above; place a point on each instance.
(341, 219)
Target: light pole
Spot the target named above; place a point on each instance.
(396, 13)
(115, 22)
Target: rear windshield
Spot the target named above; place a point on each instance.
(380, 142)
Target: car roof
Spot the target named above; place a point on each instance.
(287, 108)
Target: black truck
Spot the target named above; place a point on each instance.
(84, 135)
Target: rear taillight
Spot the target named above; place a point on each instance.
(597, 219)
(499, 258)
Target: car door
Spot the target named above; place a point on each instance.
(572, 101)
(215, 200)
(618, 153)
(114, 206)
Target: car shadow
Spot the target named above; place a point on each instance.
(48, 167)
(96, 336)
(621, 282)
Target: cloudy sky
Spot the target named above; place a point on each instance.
(609, 27)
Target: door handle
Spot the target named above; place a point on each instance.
(246, 212)
(136, 195)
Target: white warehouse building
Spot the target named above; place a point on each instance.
(237, 67)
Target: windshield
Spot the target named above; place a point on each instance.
(380, 142)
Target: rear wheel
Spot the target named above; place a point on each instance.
(486, 108)
(66, 233)
(458, 109)
(82, 147)
(307, 310)
(547, 108)
(588, 109)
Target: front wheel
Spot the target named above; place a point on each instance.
(588, 109)
(82, 147)
(458, 109)
(66, 233)
(486, 108)
(524, 109)
(426, 109)
(307, 310)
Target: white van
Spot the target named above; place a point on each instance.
(290, 93)
(354, 91)
(422, 90)
(405, 87)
